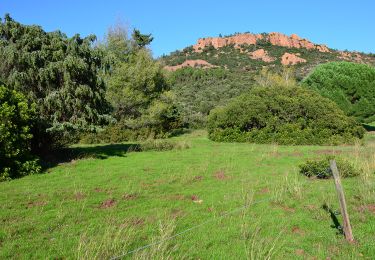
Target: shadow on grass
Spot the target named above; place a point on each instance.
(369, 128)
(336, 224)
(66, 155)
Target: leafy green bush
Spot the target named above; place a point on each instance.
(58, 74)
(162, 119)
(321, 169)
(15, 121)
(282, 114)
(350, 85)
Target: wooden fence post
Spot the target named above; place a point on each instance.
(340, 193)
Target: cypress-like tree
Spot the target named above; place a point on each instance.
(57, 73)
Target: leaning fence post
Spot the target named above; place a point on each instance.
(340, 193)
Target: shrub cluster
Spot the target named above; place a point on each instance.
(289, 115)
(321, 170)
(15, 120)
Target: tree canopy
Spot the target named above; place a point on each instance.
(350, 85)
(140, 39)
(57, 73)
(133, 78)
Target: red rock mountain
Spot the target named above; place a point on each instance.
(251, 52)
(278, 39)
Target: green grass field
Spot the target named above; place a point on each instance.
(112, 201)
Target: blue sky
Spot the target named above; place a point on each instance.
(176, 24)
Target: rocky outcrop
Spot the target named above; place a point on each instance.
(261, 54)
(294, 41)
(278, 39)
(291, 59)
(191, 63)
(351, 56)
(219, 42)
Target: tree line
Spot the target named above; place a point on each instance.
(56, 88)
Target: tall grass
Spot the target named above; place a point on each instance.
(113, 241)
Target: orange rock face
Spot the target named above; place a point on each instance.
(278, 39)
(191, 63)
(351, 56)
(291, 59)
(218, 42)
(261, 54)
(294, 41)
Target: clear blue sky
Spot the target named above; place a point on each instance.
(345, 24)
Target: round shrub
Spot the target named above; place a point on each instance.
(15, 119)
(321, 168)
(350, 85)
(283, 115)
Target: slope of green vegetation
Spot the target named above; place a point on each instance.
(198, 91)
(113, 200)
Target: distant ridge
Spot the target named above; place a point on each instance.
(250, 52)
(277, 39)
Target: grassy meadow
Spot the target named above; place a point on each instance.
(107, 200)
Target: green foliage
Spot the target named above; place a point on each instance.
(321, 169)
(137, 90)
(198, 91)
(161, 119)
(162, 145)
(15, 120)
(133, 85)
(350, 85)
(58, 74)
(140, 39)
(283, 115)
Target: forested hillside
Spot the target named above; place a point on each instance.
(212, 71)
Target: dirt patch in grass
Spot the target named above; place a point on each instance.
(108, 191)
(130, 196)
(370, 208)
(108, 204)
(300, 252)
(284, 207)
(176, 197)
(138, 221)
(152, 184)
(265, 190)
(133, 222)
(32, 204)
(275, 154)
(328, 152)
(220, 175)
(288, 209)
(311, 207)
(297, 154)
(298, 231)
(194, 198)
(79, 196)
(177, 213)
(198, 178)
